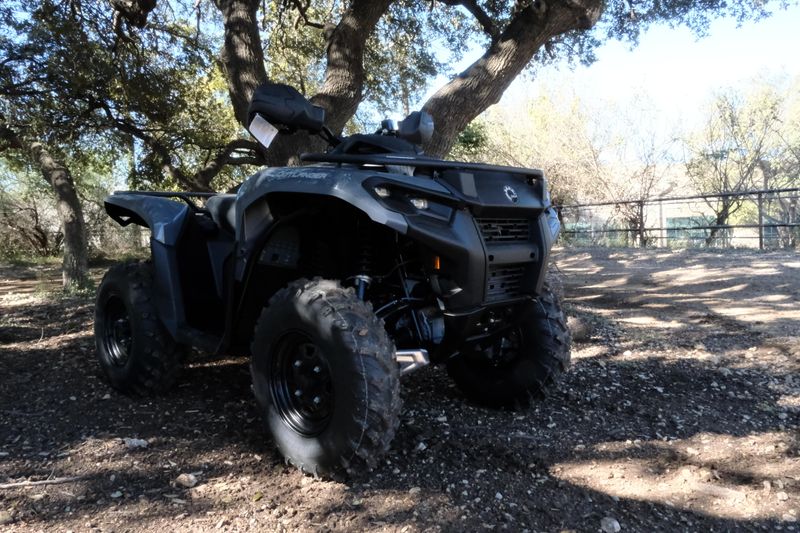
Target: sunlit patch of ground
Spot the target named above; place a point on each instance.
(704, 474)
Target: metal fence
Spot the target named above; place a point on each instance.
(763, 219)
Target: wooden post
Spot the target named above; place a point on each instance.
(641, 224)
(760, 221)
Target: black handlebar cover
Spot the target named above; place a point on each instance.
(282, 105)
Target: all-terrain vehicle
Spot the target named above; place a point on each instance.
(338, 277)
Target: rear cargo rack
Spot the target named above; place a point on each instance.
(416, 161)
(185, 196)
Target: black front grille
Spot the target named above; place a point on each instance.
(505, 282)
(500, 230)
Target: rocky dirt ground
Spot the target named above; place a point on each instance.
(680, 413)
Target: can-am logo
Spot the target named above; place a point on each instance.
(511, 194)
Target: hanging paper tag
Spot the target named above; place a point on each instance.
(263, 130)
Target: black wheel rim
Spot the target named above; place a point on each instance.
(117, 336)
(504, 350)
(301, 384)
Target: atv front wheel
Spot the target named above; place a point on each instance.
(325, 378)
(521, 364)
(135, 352)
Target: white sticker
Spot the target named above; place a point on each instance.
(263, 130)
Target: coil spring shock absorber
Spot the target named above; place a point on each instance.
(366, 257)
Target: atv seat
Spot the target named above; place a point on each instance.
(222, 209)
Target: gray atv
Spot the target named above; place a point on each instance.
(339, 277)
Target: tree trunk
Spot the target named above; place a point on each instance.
(75, 267)
(470, 93)
(242, 55)
(343, 88)
(719, 223)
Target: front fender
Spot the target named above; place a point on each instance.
(344, 183)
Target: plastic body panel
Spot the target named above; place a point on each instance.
(164, 217)
(170, 222)
(478, 192)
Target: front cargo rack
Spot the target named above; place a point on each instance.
(416, 161)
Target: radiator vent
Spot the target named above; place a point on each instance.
(505, 282)
(505, 230)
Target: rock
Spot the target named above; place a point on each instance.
(6, 518)
(414, 490)
(135, 444)
(186, 480)
(782, 496)
(579, 329)
(610, 525)
(498, 496)
(116, 494)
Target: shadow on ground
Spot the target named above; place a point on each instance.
(684, 421)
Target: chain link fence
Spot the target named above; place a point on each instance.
(760, 219)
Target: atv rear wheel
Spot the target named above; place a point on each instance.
(135, 352)
(522, 364)
(325, 378)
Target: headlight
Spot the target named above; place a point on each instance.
(419, 203)
(409, 202)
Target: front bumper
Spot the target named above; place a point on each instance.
(495, 247)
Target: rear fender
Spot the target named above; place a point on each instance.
(164, 217)
(166, 220)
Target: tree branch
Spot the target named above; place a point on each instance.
(225, 157)
(10, 139)
(483, 18)
(52, 481)
(302, 8)
(157, 147)
(466, 96)
(134, 12)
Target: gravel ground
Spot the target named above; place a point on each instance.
(680, 413)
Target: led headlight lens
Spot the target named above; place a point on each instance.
(383, 192)
(419, 203)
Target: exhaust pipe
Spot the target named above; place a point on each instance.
(410, 360)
